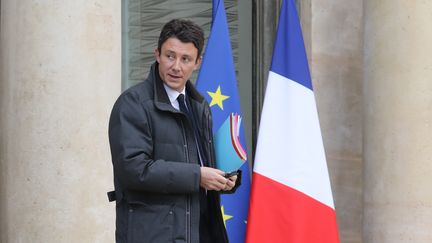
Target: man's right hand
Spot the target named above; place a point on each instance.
(213, 179)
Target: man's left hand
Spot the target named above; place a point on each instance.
(230, 183)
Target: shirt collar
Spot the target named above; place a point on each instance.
(173, 94)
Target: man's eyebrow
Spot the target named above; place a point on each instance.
(174, 52)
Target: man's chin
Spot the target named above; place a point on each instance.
(174, 85)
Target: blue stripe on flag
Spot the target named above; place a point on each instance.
(289, 54)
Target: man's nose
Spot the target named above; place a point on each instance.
(176, 65)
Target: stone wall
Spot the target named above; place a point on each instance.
(398, 121)
(336, 69)
(60, 74)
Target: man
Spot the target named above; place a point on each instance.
(160, 132)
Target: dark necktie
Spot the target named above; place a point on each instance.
(183, 108)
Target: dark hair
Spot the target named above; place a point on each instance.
(184, 30)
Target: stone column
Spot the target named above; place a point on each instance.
(337, 76)
(398, 121)
(60, 74)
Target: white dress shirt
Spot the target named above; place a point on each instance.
(173, 94)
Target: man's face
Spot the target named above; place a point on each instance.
(177, 61)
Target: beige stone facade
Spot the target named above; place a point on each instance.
(336, 68)
(60, 72)
(397, 121)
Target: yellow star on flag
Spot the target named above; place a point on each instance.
(217, 98)
(225, 216)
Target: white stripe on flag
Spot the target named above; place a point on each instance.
(290, 148)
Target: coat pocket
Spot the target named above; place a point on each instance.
(150, 223)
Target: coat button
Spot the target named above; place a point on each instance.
(170, 212)
(130, 210)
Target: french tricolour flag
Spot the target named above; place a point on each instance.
(291, 199)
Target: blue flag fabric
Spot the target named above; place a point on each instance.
(289, 55)
(217, 83)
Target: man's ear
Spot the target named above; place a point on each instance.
(198, 62)
(157, 55)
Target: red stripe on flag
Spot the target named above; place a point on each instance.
(278, 213)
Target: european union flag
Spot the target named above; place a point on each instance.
(217, 82)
